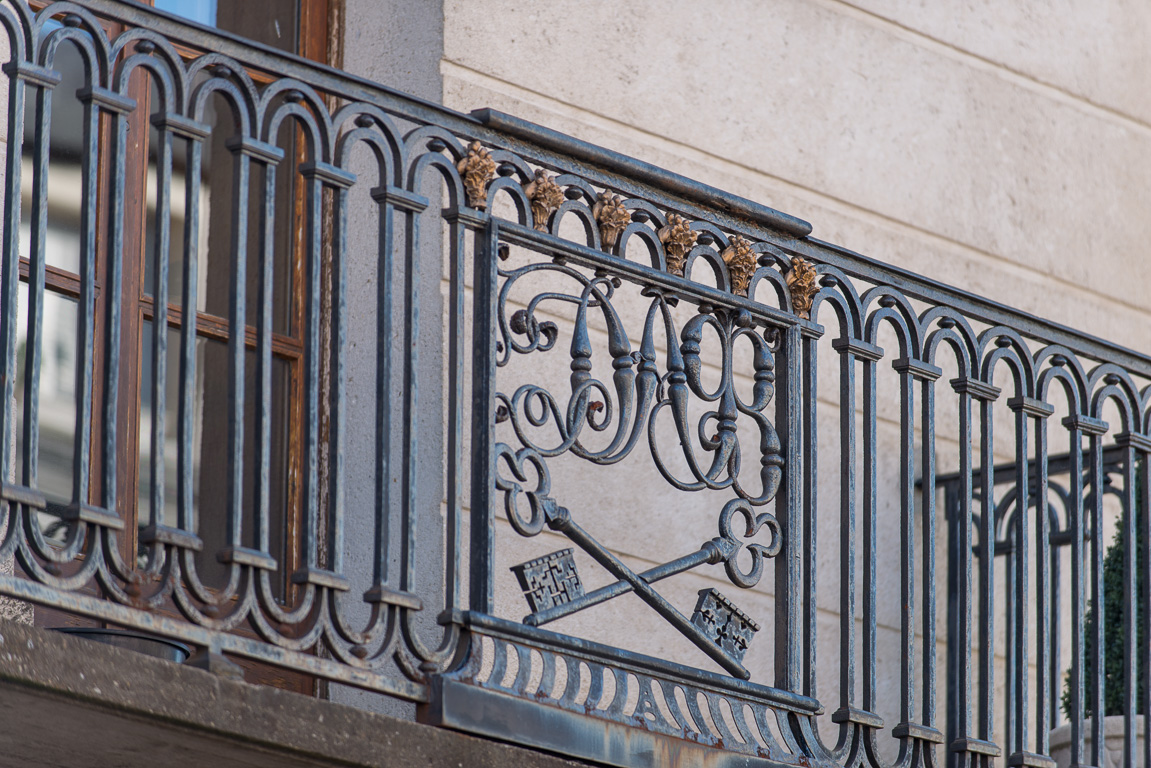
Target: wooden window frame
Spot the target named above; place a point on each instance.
(320, 39)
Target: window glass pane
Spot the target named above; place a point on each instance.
(56, 415)
(62, 193)
(211, 457)
(271, 22)
(203, 11)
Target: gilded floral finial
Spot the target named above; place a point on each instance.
(741, 263)
(612, 217)
(477, 169)
(545, 196)
(677, 238)
(801, 282)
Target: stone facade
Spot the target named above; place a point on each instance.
(1005, 154)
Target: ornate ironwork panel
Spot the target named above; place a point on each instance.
(687, 326)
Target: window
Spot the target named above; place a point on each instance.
(200, 272)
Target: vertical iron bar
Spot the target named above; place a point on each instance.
(314, 197)
(36, 273)
(264, 370)
(338, 407)
(411, 402)
(927, 472)
(161, 249)
(1075, 524)
(810, 510)
(455, 427)
(1130, 620)
(1143, 504)
(1010, 608)
(1043, 681)
(963, 525)
(1096, 664)
(870, 446)
(907, 542)
(789, 673)
(10, 267)
(987, 571)
(847, 527)
(483, 417)
(1021, 555)
(186, 428)
(383, 447)
(113, 290)
(86, 316)
(237, 306)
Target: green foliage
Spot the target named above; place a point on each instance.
(1114, 638)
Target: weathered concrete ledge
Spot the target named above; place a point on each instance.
(68, 701)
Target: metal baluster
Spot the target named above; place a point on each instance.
(1143, 503)
(455, 426)
(113, 289)
(10, 266)
(1021, 560)
(237, 320)
(186, 427)
(810, 509)
(788, 574)
(870, 446)
(338, 409)
(1075, 525)
(314, 197)
(38, 223)
(847, 523)
(264, 368)
(1096, 663)
(927, 472)
(1130, 621)
(1043, 680)
(86, 317)
(907, 540)
(161, 248)
(483, 418)
(963, 525)
(411, 397)
(383, 442)
(987, 569)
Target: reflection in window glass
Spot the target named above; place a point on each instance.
(57, 398)
(202, 11)
(271, 22)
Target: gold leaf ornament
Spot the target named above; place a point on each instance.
(477, 169)
(741, 264)
(612, 217)
(801, 281)
(545, 196)
(677, 238)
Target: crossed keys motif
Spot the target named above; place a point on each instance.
(553, 588)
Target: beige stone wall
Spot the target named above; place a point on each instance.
(1001, 150)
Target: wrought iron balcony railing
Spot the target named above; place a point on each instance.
(230, 363)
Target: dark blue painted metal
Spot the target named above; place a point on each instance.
(765, 458)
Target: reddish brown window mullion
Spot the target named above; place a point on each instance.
(134, 250)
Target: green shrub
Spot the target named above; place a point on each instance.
(1114, 639)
